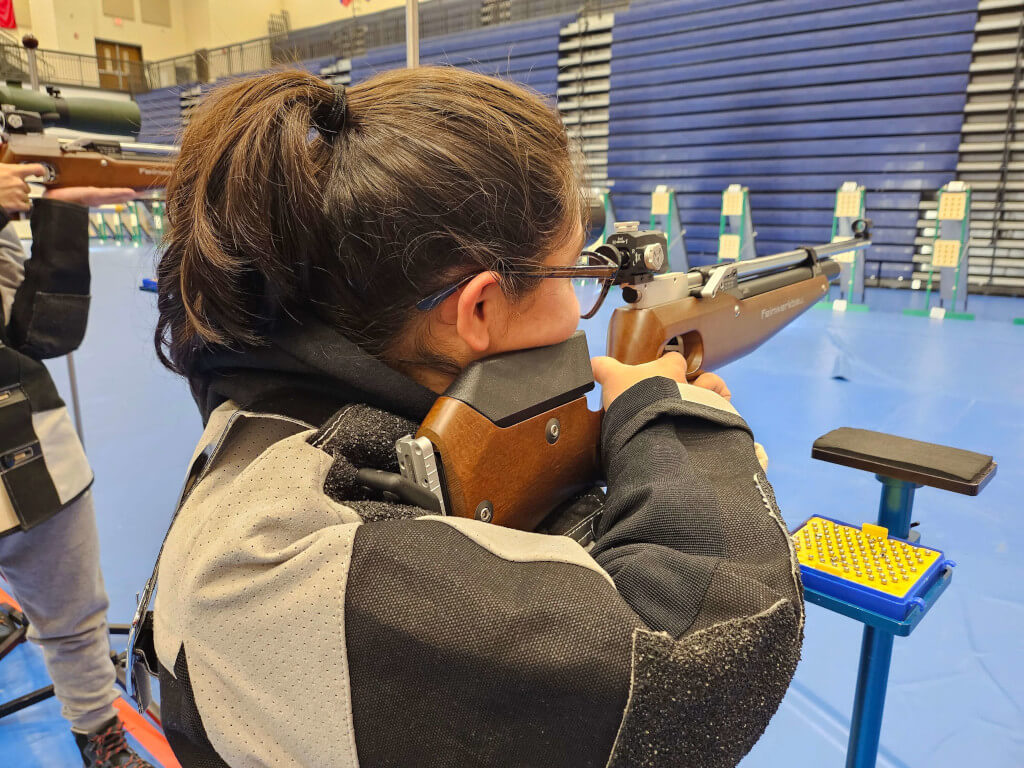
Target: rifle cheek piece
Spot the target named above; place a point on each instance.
(513, 435)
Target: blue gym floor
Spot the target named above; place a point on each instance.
(956, 690)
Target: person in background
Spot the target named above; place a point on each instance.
(49, 547)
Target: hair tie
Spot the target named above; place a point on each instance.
(329, 119)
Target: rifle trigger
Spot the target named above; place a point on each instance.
(396, 488)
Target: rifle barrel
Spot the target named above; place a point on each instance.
(842, 246)
(789, 258)
(136, 148)
(755, 286)
(150, 150)
(753, 276)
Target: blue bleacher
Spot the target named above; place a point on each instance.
(315, 65)
(161, 115)
(526, 52)
(790, 98)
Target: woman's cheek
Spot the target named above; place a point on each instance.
(569, 314)
(551, 319)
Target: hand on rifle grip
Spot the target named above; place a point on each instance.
(615, 377)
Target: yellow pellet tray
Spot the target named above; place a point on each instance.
(946, 253)
(864, 556)
(848, 204)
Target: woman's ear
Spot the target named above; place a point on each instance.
(480, 303)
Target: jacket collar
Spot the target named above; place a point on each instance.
(307, 371)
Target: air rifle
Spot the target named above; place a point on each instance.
(24, 115)
(512, 438)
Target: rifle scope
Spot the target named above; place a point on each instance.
(77, 114)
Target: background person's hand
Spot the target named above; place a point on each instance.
(92, 196)
(615, 377)
(13, 187)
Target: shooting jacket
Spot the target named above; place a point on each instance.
(304, 620)
(45, 304)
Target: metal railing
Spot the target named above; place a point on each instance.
(205, 66)
(349, 38)
(179, 70)
(343, 39)
(61, 68)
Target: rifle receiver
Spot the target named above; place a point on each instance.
(718, 313)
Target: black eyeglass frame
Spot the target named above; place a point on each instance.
(604, 272)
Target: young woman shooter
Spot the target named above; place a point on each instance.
(334, 259)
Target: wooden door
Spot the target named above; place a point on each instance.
(131, 67)
(119, 65)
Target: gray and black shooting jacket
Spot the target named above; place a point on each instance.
(304, 620)
(45, 306)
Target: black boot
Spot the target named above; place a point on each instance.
(107, 748)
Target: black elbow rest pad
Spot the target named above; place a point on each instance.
(939, 466)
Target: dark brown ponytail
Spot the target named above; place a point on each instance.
(291, 199)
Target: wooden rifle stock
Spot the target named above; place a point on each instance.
(515, 472)
(84, 167)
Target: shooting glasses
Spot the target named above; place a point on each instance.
(592, 275)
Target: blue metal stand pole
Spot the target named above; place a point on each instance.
(895, 506)
(876, 648)
(869, 701)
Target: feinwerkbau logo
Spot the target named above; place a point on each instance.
(784, 307)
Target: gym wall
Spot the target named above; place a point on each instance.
(309, 13)
(73, 26)
(707, 93)
(166, 28)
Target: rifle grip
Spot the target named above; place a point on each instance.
(517, 469)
